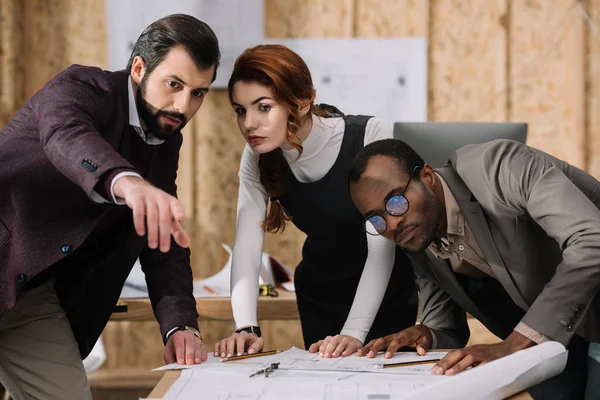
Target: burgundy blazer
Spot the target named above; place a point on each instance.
(53, 153)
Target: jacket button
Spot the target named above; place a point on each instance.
(21, 278)
(65, 248)
(569, 328)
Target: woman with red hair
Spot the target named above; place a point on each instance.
(295, 168)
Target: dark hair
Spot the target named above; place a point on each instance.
(287, 75)
(404, 156)
(195, 36)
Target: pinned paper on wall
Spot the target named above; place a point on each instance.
(386, 78)
(238, 24)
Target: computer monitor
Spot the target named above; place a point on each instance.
(436, 141)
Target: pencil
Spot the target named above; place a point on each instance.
(410, 363)
(209, 289)
(244, 356)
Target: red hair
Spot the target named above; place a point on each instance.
(287, 75)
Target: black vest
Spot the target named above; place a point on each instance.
(335, 250)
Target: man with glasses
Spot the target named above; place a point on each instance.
(505, 232)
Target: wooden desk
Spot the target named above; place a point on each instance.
(171, 376)
(282, 307)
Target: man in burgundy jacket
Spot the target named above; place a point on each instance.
(87, 185)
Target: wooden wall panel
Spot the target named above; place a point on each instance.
(218, 149)
(547, 75)
(186, 188)
(308, 18)
(44, 47)
(12, 93)
(391, 18)
(467, 56)
(84, 23)
(58, 34)
(593, 89)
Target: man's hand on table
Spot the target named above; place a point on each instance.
(459, 360)
(183, 347)
(418, 337)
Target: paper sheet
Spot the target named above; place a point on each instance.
(292, 385)
(212, 362)
(296, 359)
(495, 380)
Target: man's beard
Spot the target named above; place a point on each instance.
(149, 115)
(431, 221)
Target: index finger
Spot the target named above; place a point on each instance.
(394, 346)
(139, 211)
(374, 347)
(181, 238)
(176, 210)
(200, 351)
(448, 361)
(203, 351)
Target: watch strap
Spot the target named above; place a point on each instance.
(250, 329)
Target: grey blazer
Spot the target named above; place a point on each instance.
(537, 221)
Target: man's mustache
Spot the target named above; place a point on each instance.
(173, 115)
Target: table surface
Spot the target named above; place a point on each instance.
(171, 376)
(282, 307)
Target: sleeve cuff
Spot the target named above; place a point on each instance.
(355, 333)
(531, 334)
(116, 199)
(169, 333)
(98, 198)
(433, 339)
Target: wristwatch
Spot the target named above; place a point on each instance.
(195, 331)
(250, 329)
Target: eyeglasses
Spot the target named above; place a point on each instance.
(395, 205)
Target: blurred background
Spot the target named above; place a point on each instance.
(536, 61)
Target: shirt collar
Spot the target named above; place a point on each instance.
(134, 119)
(455, 222)
(454, 217)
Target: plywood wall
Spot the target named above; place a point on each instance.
(489, 60)
(592, 90)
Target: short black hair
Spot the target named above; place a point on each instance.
(195, 36)
(404, 156)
